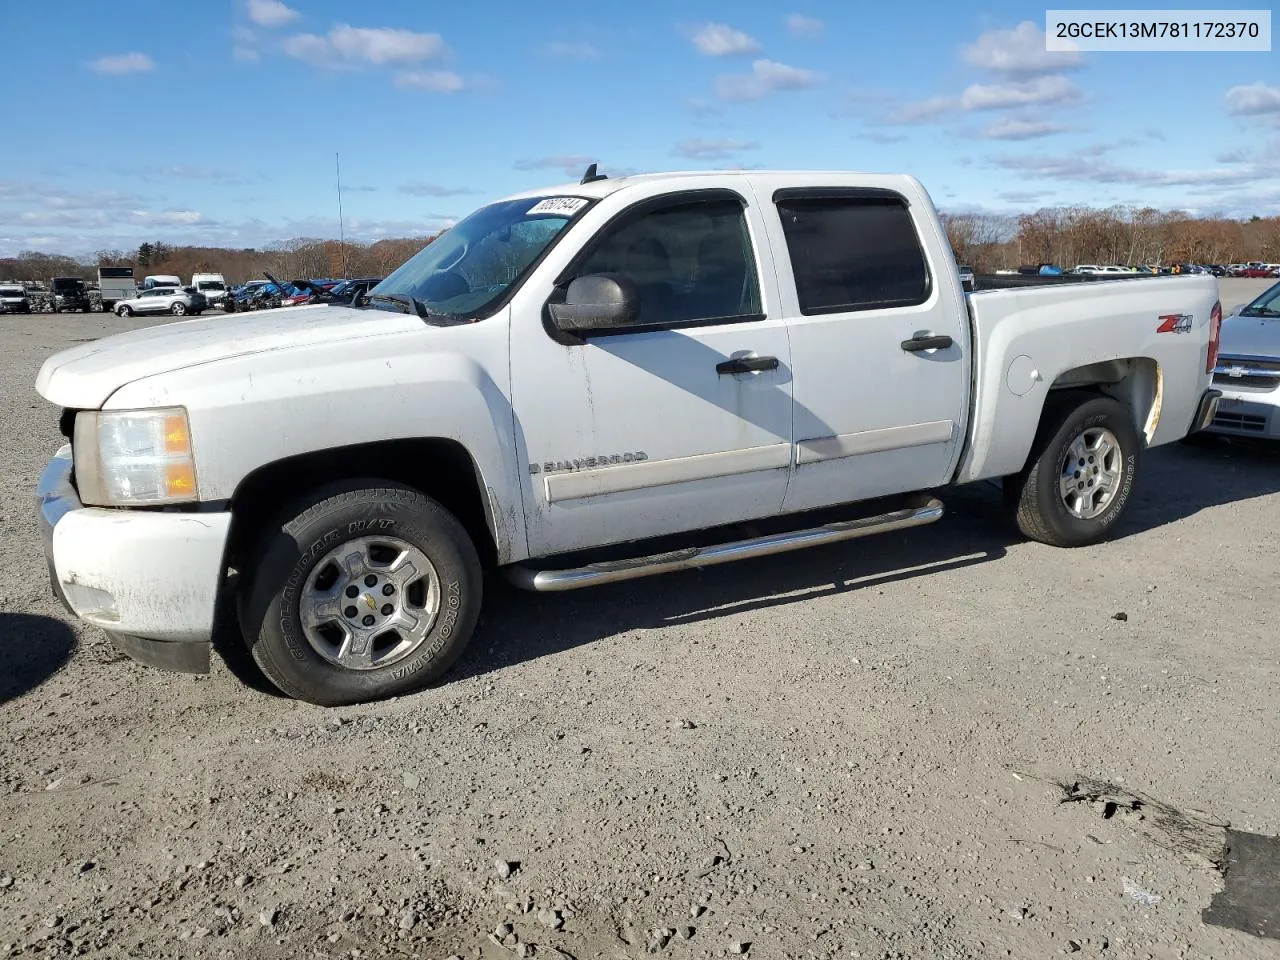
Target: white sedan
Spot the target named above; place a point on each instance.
(1248, 370)
(178, 301)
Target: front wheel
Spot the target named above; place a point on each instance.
(1082, 471)
(178, 309)
(369, 592)
(123, 312)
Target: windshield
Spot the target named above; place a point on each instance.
(62, 284)
(469, 268)
(11, 291)
(210, 285)
(1267, 305)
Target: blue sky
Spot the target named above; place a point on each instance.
(216, 121)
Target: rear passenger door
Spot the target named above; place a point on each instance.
(879, 343)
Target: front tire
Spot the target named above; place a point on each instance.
(123, 312)
(369, 592)
(1081, 473)
(178, 309)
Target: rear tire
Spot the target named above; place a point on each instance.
(1081, 473)
(317, 642)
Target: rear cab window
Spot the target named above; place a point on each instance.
(852, 249)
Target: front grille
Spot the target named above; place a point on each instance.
(1259, 373)
(1240, 421)
(1254, 380)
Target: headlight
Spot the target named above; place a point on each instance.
(126, 458)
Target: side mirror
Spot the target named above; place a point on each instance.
(595, 302)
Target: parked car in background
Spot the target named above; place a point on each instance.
(178, 301)
(212, 285)
(349, 292)
(13, 298)
(69, 293)
(1257, 271)
(1086, 268)
(1248, 369)
(966, 276)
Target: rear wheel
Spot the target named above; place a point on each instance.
(1082, 471)
(368, 592)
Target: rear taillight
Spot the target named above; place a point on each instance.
(1215, 337)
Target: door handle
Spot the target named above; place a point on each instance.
(746, 365)
(927, 341)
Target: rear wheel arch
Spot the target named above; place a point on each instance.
(1135, 382)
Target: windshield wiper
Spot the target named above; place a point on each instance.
(413, 305)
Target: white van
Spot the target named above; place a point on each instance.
(161, 280)
(212, 285)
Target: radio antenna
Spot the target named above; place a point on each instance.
(342, 238)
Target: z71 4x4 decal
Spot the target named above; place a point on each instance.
(1175, 323)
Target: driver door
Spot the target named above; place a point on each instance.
(678, 421)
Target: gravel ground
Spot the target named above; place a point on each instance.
(857, 751)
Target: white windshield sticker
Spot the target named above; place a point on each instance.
(565, 206)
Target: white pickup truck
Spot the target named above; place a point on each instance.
(583, 385)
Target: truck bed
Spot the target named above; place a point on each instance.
(1030, 338)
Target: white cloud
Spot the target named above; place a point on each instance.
(566, 50)
(1084, 170)
(766, 77)
(436, 81)
(307, 46)
(1015, 129)
(376, 45)
(123, 63)
(573, 164)
(270, 13)
(1018, 52)
(921, 111)
(802, 26)
(698, 149)
(1253, 100)
(245, 54)
(1054, 89)
(417, 188)
(719, 40)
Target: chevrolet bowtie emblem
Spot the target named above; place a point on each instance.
(370, 602)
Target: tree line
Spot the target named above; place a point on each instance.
(1063, 235)
(1128, 236)
(287, 260)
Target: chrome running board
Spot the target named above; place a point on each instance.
(693, 558)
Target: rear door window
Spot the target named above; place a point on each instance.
(853, 252)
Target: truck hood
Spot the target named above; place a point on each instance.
(1251, 337)
(85, 376)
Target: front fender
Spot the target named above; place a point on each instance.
(250, 411)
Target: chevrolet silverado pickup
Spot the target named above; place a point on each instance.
(586, 384)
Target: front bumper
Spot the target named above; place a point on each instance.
(1248, 414)
(150, 579)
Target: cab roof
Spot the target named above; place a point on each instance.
(599, 189)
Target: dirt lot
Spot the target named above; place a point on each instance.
(857, 751)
